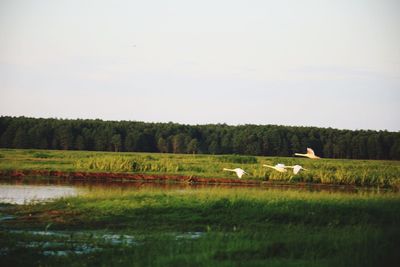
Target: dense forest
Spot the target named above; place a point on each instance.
(267, 140)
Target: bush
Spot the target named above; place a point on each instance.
(238, 159)
(42, 155)
(106, 163)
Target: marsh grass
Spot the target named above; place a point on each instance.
(42, 155)
(237, 159)
(195, 209)
(328, 171)
(239, 227)
(278, 246)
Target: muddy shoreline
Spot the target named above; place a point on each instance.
(112, 176)
(108, 177)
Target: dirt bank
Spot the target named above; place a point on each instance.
(108, 176)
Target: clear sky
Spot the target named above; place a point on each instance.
(307, 63)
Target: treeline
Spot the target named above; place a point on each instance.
(267, 140)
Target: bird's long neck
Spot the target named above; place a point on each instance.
(269, 166)
(299, 154)
(225, 169)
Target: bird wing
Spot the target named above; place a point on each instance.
(280, 165)
(296, 169)
(310, 151)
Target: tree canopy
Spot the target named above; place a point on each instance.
(266, 140)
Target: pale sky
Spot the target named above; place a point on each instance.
(289, 62)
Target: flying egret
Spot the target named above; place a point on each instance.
(278, 167)
(239, 171)
(296, 168)
(310, 154)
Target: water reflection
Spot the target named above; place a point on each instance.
(28, 190)
(24, 194)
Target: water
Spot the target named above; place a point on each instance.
(27, 191)
(26, 194)
(65, 243)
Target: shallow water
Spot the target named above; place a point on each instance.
(64, 243)
(36, 190)
(25, 194)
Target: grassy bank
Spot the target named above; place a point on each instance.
(329, 171)
(205, 227)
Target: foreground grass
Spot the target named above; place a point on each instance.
(329, 171)
(236, 227)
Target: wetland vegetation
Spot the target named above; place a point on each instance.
(207, 226)
(204, 227)
(328, 171)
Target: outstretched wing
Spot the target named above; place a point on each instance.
(296, 169)
(310, 151)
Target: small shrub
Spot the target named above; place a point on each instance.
(238, 159)
(42, 155)
(148, 157)
(108, 163)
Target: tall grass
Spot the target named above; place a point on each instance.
(130, 164)
(332, 171)
(106, 163)
(219, 208)
(237, 159)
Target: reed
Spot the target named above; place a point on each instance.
(329, 171)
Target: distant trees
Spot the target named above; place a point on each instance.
(192, 146)
(116, 142)
(271, 140)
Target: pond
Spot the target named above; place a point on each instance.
(25, 194)
(33, 190)
(141, 222)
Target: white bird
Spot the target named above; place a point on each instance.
(239, 171)
(296, 168)
(278, 167)
(310, 154)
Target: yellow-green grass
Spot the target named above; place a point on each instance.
(237, 227)
(327, 171)
(247, 207)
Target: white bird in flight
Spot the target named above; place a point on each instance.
(310, 154)
(278, 167)
(239, 171)
(296, 168)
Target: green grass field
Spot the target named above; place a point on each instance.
(327, 171)
(211, 226)
(204, 227)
